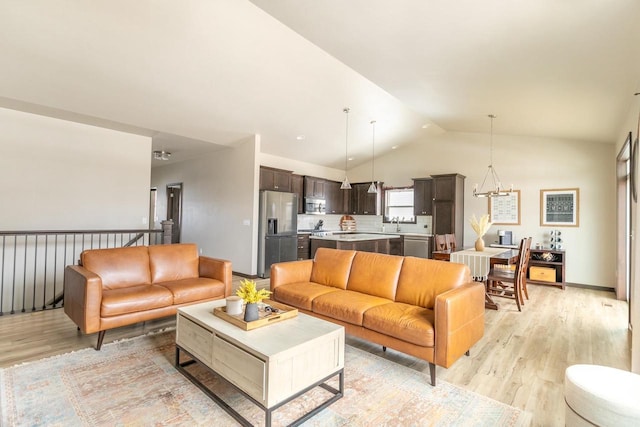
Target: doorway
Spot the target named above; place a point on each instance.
(174, 209)
(625, 201)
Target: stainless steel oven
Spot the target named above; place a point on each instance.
(314, 206)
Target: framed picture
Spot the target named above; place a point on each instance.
(560, 208)
(505, 210)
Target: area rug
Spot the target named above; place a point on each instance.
(134, 383)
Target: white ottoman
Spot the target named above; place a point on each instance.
(601, 396)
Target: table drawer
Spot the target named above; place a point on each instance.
(243, 369)
(195, 339)
(543, 274)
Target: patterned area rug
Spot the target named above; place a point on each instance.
(133, 383)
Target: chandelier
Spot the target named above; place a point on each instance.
(497, 190)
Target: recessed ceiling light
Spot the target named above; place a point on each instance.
(394, 147)
(426, 125)
(351, 158)
(300, 137)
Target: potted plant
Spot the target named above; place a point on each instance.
(251, 296)
(480, 227)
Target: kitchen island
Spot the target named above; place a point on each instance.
(367, 242)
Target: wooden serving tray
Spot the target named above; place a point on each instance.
(264, 317)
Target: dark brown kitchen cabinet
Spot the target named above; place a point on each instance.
(275, 179)
(361, 202)
(335, 198)
(448, 205)
(304, 246)
(315, 187)
(422, 196)
(297, 187)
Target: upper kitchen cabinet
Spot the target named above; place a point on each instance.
(422, 196)
(361, 202)
(275, 179)
(297, 187)
(335, 198)
(315, 187)
(448, 205)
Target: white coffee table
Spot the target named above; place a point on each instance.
(271, 365)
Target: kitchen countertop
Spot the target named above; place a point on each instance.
(356, 237)
(336, 232)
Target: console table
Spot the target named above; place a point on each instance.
(557, 264)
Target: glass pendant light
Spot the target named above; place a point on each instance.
(372, 188)
(345, 184)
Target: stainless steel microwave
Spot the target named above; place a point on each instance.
(314, 206)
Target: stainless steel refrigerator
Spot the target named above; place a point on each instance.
(277, 230)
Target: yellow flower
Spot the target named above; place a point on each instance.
(249, 293)
(482, 226)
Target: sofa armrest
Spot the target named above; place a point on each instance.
(82, 297)
(459, 321)
(283, 273)
(219, 269)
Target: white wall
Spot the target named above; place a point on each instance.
(301, 168)
(220, 202)
(57, 174)
(530, 164)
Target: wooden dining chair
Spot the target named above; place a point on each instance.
(440, 242)
(440, 251)
(450, 240)
(506, 283)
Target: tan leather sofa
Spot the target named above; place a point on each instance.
(121, 286)
(429, 309)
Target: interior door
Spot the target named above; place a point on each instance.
(174, 209)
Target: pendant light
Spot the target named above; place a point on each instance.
(345, 184)
(496, 190)
(372, 188)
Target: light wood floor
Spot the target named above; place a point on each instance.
(520, 360)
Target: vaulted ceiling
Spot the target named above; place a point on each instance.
(201, 74)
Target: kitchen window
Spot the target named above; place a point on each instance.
(398, 203)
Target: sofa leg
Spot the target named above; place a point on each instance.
(467, 353)
(100, 339)
(384, 348)
(432, 372)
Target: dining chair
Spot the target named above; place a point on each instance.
(450, 240)
(507, 283)
(440, 251)
(440, 242)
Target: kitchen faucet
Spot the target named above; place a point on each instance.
(397, 219)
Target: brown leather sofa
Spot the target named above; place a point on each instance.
(121, 286)
(429, 309)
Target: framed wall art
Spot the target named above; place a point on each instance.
(505, 210)
(560, 208)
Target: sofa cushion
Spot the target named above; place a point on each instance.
(191, 290)
(118, 267)
(134, 299)
(375, 274)
(421, 280)
(173, 262)
(347, 306)
(403, 321)
(331, 267)
(301, 295)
